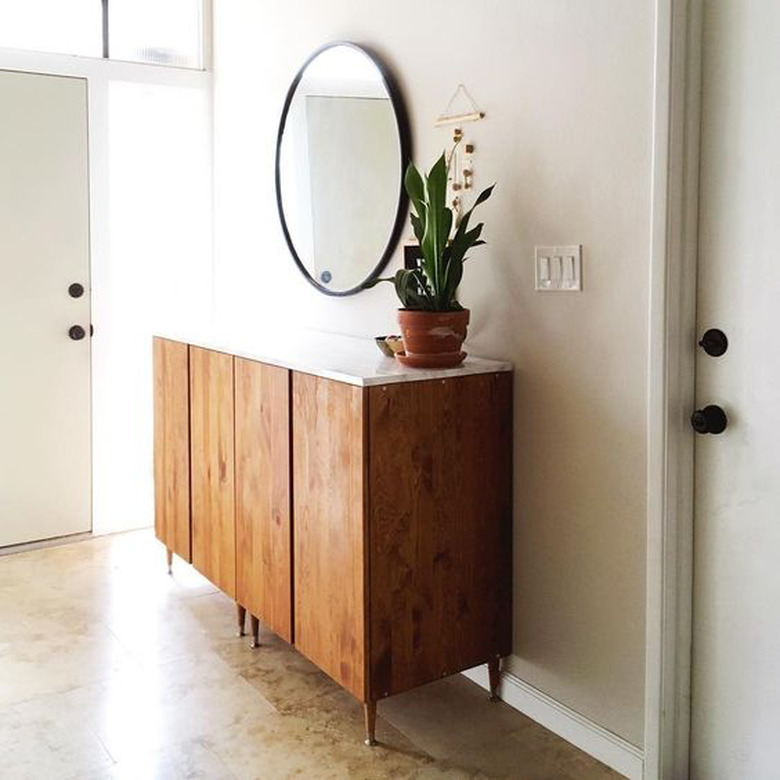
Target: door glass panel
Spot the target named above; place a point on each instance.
(156, 278)
(162, 33)
(72, 27)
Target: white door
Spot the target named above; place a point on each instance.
(736, 631)
(44, 249)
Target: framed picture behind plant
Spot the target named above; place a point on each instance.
(412, 256)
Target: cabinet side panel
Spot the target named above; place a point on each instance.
(172, 446)
(328, 511)
(212, 456)
(439, 527)
(263, 541)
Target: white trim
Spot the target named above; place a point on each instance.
(57, 541)
(595, 740)
(207, 35)
(671, 374)
(95, 68)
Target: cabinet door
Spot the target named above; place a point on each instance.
(211, 439)
(263, 541)
(329, 508)
(440, 528)
(172, 446)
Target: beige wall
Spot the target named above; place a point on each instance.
(567, 87)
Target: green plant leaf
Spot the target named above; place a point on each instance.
(463, 241)
(483, 196)
(415, 187)
(434, 285)
(417, 226)
(463, 227)
(452, 277)
(427, 302)
(438, 224)
(472, 236)
(456, 256)
(410, 289)
(437, 184)
(405, 287)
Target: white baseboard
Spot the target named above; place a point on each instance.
(610, 749)
(57, 541)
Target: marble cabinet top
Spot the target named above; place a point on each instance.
(356, 361)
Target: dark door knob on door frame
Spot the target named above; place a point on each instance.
(710, 419)
(76, 332)
(714, 342)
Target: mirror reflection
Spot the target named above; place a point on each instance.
(339, 169)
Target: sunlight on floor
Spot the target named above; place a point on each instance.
(110, 668)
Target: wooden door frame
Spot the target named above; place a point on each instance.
(671, 377)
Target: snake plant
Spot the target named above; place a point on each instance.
(433, 286)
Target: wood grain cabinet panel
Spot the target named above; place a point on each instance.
(212, 467)
(263, 530)
(439, 528)
(329, 511)
(172, 446)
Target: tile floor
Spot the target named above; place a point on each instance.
(110, 668)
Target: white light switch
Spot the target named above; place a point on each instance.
(559, 268)
(544, 269)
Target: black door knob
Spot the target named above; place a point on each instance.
(714, 342)
(76, 290)
(710, 419)
(76, 332)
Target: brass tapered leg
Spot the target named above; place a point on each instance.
(254, 624)
(494, 673)
(369, 711)
(241, 616)
(169, 554)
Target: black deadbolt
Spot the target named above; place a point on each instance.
(76, 332)
(714, 342)
(76, 290)
(710, 419)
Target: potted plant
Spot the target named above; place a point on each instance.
(433, 323)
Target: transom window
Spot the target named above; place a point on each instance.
(160, 32)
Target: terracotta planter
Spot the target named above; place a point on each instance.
(433, 339)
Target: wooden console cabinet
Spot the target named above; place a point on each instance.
(370, 525)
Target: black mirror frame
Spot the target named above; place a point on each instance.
(404, 135)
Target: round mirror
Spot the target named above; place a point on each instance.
(340, 160)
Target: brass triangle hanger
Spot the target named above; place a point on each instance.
(467, 111)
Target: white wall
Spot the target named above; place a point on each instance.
(567, 87)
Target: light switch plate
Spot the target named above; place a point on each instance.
(558, 268)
